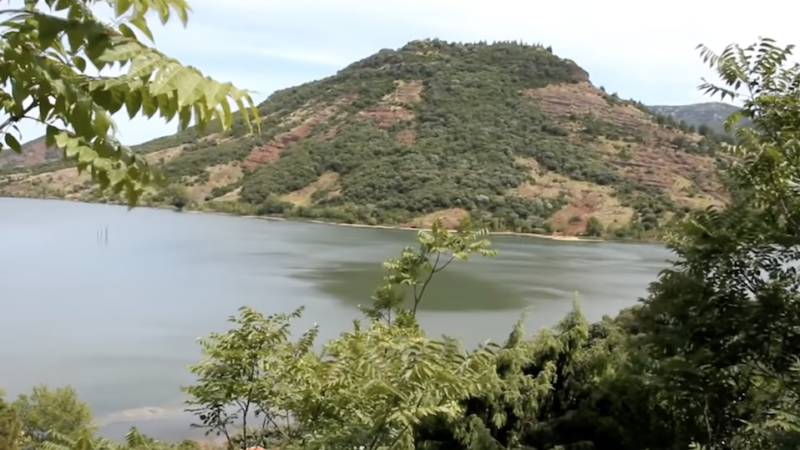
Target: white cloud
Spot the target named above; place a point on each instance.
(641, 50)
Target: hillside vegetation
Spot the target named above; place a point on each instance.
(509, 134)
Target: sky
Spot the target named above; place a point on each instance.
(641, 50)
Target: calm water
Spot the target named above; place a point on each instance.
(119, 320)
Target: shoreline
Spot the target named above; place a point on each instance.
(350, 225)
(382, 227)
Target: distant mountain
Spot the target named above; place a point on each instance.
(711, 114)
(33, 152)
(509, 134)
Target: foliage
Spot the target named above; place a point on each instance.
(415, 269)
(368, 388)
(250, 368)
(174, 195)
(45, 66)
(10, 426)
(47, 411)
(594, 227)
(723, 321)
(134, 440)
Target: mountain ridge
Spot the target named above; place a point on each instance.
(509, 134)
(709, 114)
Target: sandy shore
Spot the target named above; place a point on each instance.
(391, 227)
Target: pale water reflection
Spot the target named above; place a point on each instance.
(119, 320)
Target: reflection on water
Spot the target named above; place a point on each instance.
(450, 290)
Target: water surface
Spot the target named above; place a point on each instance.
(119, 319)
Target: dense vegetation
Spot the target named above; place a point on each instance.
(708, 360)
(433, 127)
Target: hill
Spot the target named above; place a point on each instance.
(712, 114)
(510, 134)
(33, 152)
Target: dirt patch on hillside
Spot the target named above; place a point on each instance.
(393, 107)
(299, 115)
(581, 99)
(328, 134)
(304, 197)
(272, 151)
(660, 167)
(163, 156)
(63, 178)
(451, 219)
(58, 183)
(406, 93)
(585, 199)
(687, 193)
(218, 176)
(231, 196)
(34, 152)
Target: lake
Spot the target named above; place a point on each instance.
(118, 316)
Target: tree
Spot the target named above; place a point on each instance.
(177, 196)
(593, 227)
(367, 389)
(45, 66)
(134, 440)
(413, 271)
(10, 426)
(722, 323)
(48, 411)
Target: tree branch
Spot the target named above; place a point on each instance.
(14, 119)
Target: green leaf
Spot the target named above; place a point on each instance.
(61, 5)
(141, 24)
(102, 123)
(80, 63)
(62, 138)
(127, 31)
(185, 118)
(144, 64)
(86, 154)
(122, 6)
(102, 164)
(13, 143)
(122, 51)
(50, 28)
(133, 102)
(72, 148)
(115, 176)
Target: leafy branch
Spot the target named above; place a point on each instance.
(43, 63)
(415, 268)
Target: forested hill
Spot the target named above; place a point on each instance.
(511, 134)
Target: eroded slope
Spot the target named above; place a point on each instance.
(511, 135)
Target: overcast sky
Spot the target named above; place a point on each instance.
(641, 50)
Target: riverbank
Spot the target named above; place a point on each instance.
(552, 237)
(389, 227)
